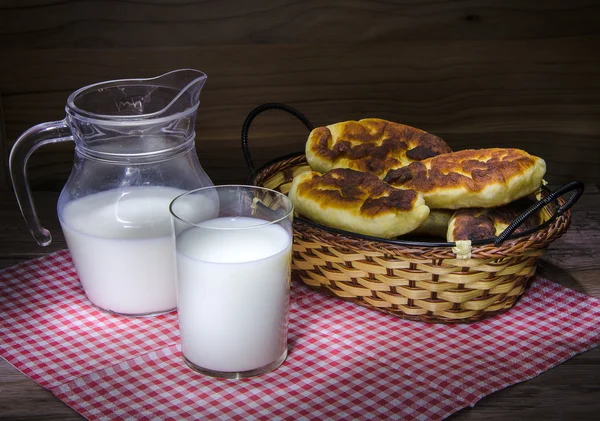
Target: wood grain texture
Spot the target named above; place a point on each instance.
(154, 23)
(4, 151)
(476, 72)
(568, 391)
(23, 399)
(540, 95)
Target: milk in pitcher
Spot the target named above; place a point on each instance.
(121, 245)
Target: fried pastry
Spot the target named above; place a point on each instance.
(472, 178)
(357, 202)
(370, 145)
(481, 224)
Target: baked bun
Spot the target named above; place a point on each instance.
(436, 224)
(472, 178)
(481, 224)
(357, 202)
(370, 145)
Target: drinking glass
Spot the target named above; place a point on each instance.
(233, 248)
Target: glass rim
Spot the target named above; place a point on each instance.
(230, 186)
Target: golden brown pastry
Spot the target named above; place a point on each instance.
(481, 224)
(370, 145)
(472, 178)
(357, 202)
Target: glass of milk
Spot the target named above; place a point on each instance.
(233, 278)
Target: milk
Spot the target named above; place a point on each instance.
(233, 293)
(120, 241)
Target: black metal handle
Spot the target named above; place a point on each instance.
(574, 185)
(257, 111)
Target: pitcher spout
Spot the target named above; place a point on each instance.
(129, 100)
(187, 84)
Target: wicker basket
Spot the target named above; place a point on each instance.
(417, 280)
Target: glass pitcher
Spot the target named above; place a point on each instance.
(134, 153)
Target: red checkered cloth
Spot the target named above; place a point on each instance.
(345, 362)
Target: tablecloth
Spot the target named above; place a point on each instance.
(345, 361)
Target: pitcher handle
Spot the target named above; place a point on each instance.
(26, 144)
(264, 107)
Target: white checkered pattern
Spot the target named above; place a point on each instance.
(345, 362)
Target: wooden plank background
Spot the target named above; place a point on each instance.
(478, 73)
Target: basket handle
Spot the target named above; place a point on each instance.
(578, 186)
(261, 108)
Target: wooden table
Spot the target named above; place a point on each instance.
(569, 391)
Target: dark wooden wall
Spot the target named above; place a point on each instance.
(478, 73)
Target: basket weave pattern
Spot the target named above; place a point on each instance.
(428, 284)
